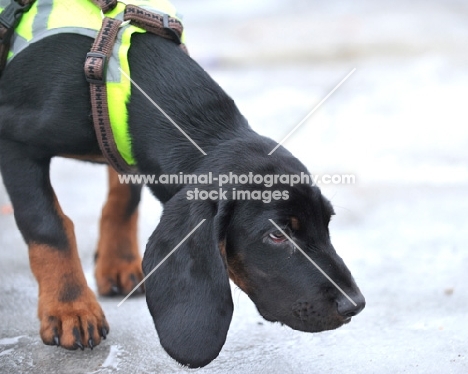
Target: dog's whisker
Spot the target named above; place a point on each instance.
(342, 207)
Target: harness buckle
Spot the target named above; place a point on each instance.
(96, 67)
(175, 37)
(10, 18)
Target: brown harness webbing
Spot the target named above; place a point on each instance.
(9, 19)
(162, 25)
(96, 62)
(105, 5)
(95, 71)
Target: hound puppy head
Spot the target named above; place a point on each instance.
(189, 295)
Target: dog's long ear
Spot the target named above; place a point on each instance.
(189, 295)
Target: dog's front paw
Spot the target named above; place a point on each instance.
(75, 323)
(117, 273)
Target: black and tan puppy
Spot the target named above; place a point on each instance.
(44, 113)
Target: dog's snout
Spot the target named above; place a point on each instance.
(348, 309)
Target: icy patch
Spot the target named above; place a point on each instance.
(6, 352)
(113, 359)
(11, 341)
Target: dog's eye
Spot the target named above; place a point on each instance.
(278, 236)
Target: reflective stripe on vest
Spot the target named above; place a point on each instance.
(51, 17)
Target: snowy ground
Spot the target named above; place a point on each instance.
(399, 124)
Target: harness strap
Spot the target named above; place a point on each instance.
(9, 19)
(96, 63)
(159, 24)
(105, 5)
(95, 71)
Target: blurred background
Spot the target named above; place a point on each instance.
(399, 123)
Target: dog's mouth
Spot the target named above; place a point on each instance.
(308, 320)
(346, 320)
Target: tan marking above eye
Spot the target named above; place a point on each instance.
(295, 224)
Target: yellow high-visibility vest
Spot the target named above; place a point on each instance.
(51, 17)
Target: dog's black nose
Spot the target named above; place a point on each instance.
(348, 309)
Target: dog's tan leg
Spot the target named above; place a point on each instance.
(69, 313)
(118, 261)
(68, 310)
